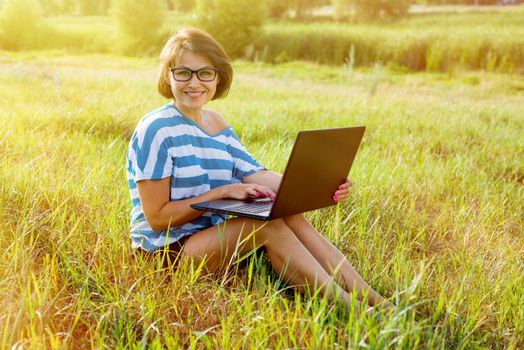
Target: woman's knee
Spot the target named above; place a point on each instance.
(276, 231)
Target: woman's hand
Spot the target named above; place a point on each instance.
(247, 191)
(342, 192)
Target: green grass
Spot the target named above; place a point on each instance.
(434, 220)
(491, 40)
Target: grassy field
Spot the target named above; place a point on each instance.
(441, 42)
(435, 220)
(491, 41)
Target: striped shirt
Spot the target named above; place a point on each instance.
(164, 144)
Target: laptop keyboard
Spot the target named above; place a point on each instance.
(254, 207)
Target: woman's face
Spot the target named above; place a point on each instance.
(191, 95)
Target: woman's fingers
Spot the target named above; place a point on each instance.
(258, 191)
(345, 185)
(342, 191)
(252, 193)
(262, 191)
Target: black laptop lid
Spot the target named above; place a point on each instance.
(319, 163)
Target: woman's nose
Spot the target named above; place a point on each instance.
(193, 81)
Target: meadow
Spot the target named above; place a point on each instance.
(435, 219)
(434, 222)
(489, 40)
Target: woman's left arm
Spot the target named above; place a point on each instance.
(272, 180)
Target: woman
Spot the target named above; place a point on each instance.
(182, 154)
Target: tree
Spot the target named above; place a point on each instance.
(234, 23)
(341, 9)
(277, 8)
(50, 7)
(139, 24)
(82, 7)
(92, 7)
(21, 25)
(67, 6)
(371, 9)
(303, 8)
(184, 5)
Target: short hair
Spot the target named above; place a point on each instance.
(200, 43)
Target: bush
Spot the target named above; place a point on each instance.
(370, 9)
(236, 24)
(374, 9)
(184, 5)
(90, 7)
(277, 8)
(139, 25)
(21, 25)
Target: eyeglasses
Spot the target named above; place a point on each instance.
(205, 74)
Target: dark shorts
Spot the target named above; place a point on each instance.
(169, 256)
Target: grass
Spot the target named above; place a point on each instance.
(434, 220)
(437, 42)
(490, 41)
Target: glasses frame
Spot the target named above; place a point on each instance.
(216, 70)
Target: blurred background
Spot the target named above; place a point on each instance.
(425, 35)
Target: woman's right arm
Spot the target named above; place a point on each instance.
(161, 212)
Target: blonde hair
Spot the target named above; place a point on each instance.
(200, 43)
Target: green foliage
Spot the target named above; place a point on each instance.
(490, 41)
(79, 7)
(184, 5)
(139, 25)
(341, 9)
(52, 7)
(236, 24)
(374, 9)
(21, 25)
(302, 8)
(277, 8)
(298, 9)
(464, 2)
(93, 7)
(369, 9)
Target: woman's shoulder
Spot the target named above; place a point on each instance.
(217, 118)
(165, 113)
(217, 123)
(158, 119)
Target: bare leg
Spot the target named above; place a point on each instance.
(288, 256)
(332, 259)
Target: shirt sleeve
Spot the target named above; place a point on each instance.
(148, 153)
(244, 164)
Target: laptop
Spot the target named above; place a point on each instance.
(319, 162)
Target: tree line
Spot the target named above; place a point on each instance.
(141, 24)
(299, 9)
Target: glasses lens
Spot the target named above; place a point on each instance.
(181, 74)
(206, 74)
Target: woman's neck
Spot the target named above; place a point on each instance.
(194, 114)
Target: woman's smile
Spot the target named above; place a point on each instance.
(194, 93)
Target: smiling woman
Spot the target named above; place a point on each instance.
(181, 154)
(194, 42)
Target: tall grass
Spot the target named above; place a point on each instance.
(434, 220)
(438, 42)
(492, 41)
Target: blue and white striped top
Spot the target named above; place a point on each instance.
(164, 144)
